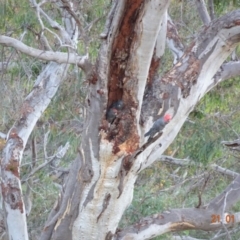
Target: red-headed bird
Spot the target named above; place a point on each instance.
(158, 125)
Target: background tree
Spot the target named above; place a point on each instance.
(130, 67)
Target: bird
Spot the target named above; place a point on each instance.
(113, 110)
(118, 105)
(158, 125)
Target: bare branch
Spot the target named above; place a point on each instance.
(58, 155)
(220, 235)
(69, 8)
(203, 13)
(59, 57)
(64, 35)
(224, 171)
(176, 161)
(45, 140)
(231, 195)
(228, 70)
(37, 8)
(174, 41)
(33, 106)
(45, 42)
(186, 238)
(188, 218)
(211, 9)
(173, 220)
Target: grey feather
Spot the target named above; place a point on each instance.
(157, 127)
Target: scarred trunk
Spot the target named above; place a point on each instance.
(35, 103)
(112, 154)
(105, 181)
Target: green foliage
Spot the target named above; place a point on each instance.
(222, 6)
(15, 16)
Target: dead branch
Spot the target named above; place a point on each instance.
(224, 171)
(59, 57)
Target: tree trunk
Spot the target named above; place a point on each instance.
(114, 150)
(35, 103)
(100, 186)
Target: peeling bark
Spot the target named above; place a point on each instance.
(190, 79)
(174, 41)
(100, 185)
(102, 202)
(112, 157)
(35, 103)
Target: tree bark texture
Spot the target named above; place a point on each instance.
(112, 153)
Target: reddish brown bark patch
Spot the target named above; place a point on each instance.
(185, 73)
(123, 131)
(173, 35)
(12, 195)
(11, 163)
(93, 79)
(155, 65)
(236, 22)
(121, 50)
(13, 167)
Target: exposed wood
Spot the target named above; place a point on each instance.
(125, 82)
(35, 103)
(193, 72)
(100, 185)
(173, 40)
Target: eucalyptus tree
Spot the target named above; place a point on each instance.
(100, 184)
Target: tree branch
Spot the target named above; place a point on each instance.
(211, 9)
(188, 218)
(227, 198)
(176, 161)
(203, 13)
(226, 71)
(186, 238)
(180, 93)
(68, 5)
(174, 41)
(59, 57)
(220, 235)
(32, 108)
(58, 155)
(224, 170)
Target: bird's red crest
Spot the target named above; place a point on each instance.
(167, 117)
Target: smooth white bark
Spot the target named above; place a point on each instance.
(221, 50)
(34, 105)
(59, 57)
